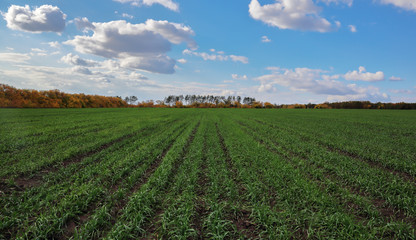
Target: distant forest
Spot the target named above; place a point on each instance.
(11, 97)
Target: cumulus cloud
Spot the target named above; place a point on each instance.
(81, 70)
(77, 61)
(14, 57)
(265, 39)
(219, 56)
(238, 77)
(290, 14)
(156, 64)
(83, 24)
(404, 4)
(45, 18)
(305, 79)
(372, 94)
(393, 78)
(268, 88)
(140, 46)
(346, 2)
(352, 28)
(137, 76)
(363, 75)
(316, 81)
(166, 3)
(183, 61)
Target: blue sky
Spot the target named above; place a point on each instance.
(282, 51)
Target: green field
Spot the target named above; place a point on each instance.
(207, 174)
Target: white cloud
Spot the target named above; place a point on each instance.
(83, 24)
(305, 79)
(155, 64)
(241, 59)
(125, 15)
(352, 28)
(290, 14)
(137, 76)
(14, 57)
(370, 93)
(266, 88)
(393, 78)
(273, 69)
(166, 3)
(139, 46)
(316, 81)
(338, 24)
(77, 61)
(45, 18)
(38, 52)
(55, 44)
(346, 2)
(81, 70)
(183, 61)
(363, 75)
(10, 48)
(174, 32)
(238, 77)
(401, 91)
(265, 39)
(216, 57)
(405, 4)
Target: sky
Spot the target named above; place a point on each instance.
(281, 51)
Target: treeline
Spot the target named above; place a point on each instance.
(210, 101)
(359, 105)
(11, 97)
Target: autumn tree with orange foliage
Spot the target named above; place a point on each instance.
(11, 97)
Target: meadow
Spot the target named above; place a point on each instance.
(207, 174)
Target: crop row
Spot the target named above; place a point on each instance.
(207, 174)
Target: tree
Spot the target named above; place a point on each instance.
(133, 99)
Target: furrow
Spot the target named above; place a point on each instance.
(24, 182)
(348, 206)
(242, 221)
(201, 207)
(387, 211)
(73, 224)
(154, 223)
(404, 175)
(118, 208)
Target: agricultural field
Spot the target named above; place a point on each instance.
(207, 174)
